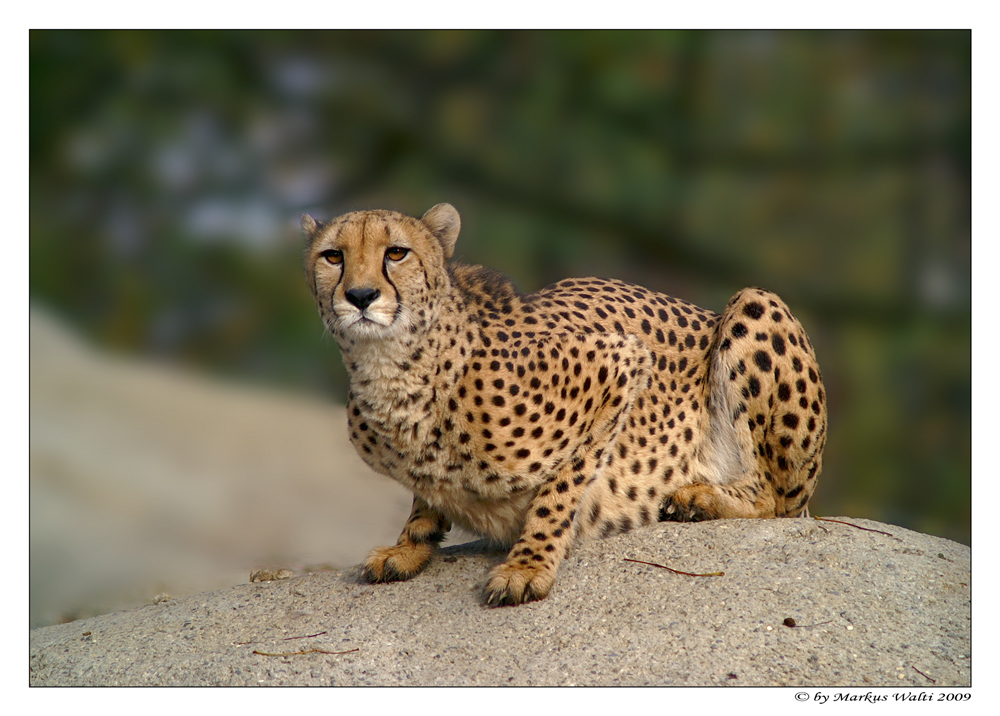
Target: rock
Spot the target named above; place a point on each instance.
(147, 479)
(270, 575)
(870, 609)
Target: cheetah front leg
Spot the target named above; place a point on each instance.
(418, 542)
(621, 367)
(531, 565)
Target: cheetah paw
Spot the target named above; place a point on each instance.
(397, 563)
(690, 503)
(512, 584)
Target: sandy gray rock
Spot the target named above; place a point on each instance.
(148, 479)
(871, 609)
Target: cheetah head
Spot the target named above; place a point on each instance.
(374, 274)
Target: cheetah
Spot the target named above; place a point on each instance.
(588, 408)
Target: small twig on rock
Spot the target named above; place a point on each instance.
(676, 571)
(306, 651)
(841, 522)
(287, 638)
(923, 674)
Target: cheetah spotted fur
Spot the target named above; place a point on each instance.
(588, 408)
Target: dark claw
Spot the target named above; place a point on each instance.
(389, 574)
(670, 511)
(494, 598)
(503, 598)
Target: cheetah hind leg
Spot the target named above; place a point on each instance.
(700, 501)
(414, 549)
(747, 499)
(756, 434)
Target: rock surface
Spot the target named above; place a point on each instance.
(870, 609)
(147, 479)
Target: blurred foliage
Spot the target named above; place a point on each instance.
(168, 170)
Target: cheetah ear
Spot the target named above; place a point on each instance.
(309, 225)
(444, 223)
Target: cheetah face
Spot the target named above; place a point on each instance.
(374, 274)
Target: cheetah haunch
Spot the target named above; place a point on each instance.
(590, 407)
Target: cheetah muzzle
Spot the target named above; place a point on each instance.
(588, 408)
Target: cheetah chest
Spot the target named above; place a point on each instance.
(445, 476)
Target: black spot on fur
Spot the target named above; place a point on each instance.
(763, 360)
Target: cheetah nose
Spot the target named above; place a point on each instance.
(362, 297)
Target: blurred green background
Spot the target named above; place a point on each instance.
(168, 171)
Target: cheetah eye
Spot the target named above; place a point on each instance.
(333, 256)
(396, 253)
